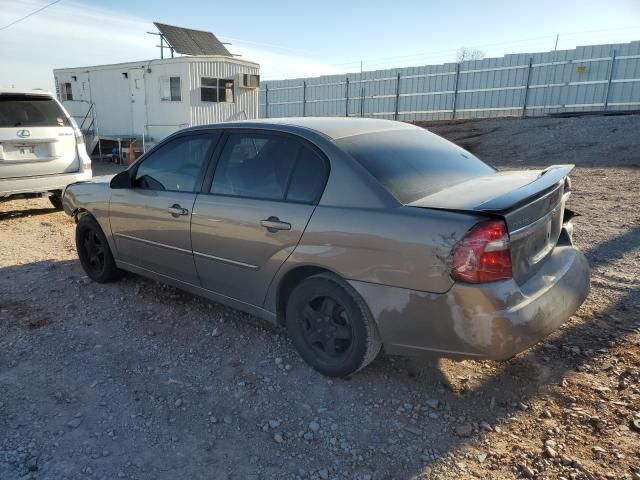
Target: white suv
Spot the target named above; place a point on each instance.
(41, 148)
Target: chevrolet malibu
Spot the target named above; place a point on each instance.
(352, 233)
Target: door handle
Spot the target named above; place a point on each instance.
(176, 210)
(273, 224)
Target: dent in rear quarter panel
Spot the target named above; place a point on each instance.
(403, 247)
(92, 197)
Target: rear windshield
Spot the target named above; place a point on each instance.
(31, 111)
(412, 164)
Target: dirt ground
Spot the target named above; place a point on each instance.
(137, 380)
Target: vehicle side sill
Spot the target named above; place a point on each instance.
(202, 292)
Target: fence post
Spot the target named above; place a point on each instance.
(526, 88)
(346, 98)
(266, 100)
(606, 96)
(455, 92)
(361, 96)
(304, 98)
(395, 117)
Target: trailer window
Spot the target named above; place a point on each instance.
(65, 92)
(209, 89)
(216, 90)
(225, 90)
(170, 89)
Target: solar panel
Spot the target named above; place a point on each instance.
(192, 42)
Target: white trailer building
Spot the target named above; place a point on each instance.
(151, 99)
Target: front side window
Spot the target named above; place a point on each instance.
(255, 166)
(177, 165)
(170, 89)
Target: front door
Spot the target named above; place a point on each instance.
(137, 95)
(151, 221)
(264, 190)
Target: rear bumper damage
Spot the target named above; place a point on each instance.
(491, 321)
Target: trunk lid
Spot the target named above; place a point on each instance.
(531, 202)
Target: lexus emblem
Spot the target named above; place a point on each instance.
(24, 133)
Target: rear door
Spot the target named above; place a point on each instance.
(36, 137)
(151, 221)
(264, 190)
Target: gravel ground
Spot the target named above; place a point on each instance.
(141, 381)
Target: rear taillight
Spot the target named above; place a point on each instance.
(79, 136)
(483, 254)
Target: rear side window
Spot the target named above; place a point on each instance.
(176, 165)
(31, 111)
(309, 177)
(255, 166)
(412, 164)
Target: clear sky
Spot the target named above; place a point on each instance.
(302, 38)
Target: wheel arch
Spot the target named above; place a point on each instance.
(288, 282)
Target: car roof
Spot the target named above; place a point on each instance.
(332, 127)
(20, 91)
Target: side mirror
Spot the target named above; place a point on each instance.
(122, 180)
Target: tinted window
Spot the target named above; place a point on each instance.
(31, 111)
(412, 164)
(256, 166)
(176, 165)
(309, 177)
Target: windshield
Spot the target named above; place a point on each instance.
(412, 164)
(31, 111)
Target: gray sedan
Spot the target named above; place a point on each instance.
(352, 233)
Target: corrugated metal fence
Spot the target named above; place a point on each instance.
(598, 77)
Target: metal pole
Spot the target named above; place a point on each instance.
(606, 96)
(346, 99)
(395, 117)
(304, 99)
(526, 89)
(455, 93)
(361, 92)
(161, 47)
(266, 100)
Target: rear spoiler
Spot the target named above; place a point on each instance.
(546, 180)
(496, 193)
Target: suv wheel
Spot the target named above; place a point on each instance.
(331, 326)
(94, 252)
(56, 200)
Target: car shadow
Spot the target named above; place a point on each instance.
(27, 212)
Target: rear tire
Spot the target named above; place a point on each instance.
(331, 326)
(56, 200)
(94, 252)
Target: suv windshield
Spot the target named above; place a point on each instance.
(31, 111)
(412, 164)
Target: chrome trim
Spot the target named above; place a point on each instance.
(155, 244)
(226, 260)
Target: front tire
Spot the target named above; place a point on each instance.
(94, 252)
(331, 327)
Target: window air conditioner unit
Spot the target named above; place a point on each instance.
(248, 80)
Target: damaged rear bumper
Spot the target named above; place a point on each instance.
(492, 321)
